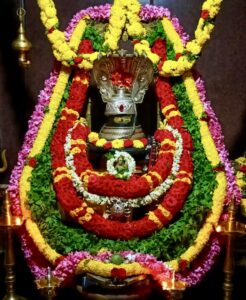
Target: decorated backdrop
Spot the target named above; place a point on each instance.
(186, 189)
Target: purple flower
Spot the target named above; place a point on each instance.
(233, 191)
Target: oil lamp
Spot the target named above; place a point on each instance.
(21, 44)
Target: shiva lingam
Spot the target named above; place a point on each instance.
(122, 80)
(8, 222)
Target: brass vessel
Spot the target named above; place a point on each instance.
(21, 44)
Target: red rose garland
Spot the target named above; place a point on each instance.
(170, 203)
(108, 185)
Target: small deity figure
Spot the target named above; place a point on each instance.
(121, 165)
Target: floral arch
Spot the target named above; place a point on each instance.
(189, 184)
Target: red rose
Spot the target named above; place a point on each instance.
(128, 143)
(144, 141)
(219, 168)
(159, 48)
(59, 259)
(51, 30)
(78, 60)
(32, 162)
(183, 264)
(119, 273)
(205, 14)
(107, 145)
(178, 55)
(86, 47)
(176, 122)
(243, 169)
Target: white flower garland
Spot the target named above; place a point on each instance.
(127, 158)
(132, 202)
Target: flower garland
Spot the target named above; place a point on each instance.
(233, 191)
(137, 202)
(122, 12)
(240, 169)
(34, 122)
(194, 274)
(94, 139)
(85, 215)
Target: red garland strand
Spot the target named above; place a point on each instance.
(169, 204)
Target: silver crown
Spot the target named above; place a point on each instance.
(122, 81)
(123, 78)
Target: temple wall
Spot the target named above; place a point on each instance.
(222, 66)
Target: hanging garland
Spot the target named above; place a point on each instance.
(124, 11)
(105, 185)
(94, 139)
(127, 202)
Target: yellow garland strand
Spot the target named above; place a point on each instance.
(125, 13)
(204, 234)
(212, 154)
(50, 254)
(43, 133)
(241, 182)
(193, 95)
(49, 117)
(104, 269)
(208, 143)
(173, 35)
(63, 51)
(194, 47)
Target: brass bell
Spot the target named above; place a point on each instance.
(21, 43)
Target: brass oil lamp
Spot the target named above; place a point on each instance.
(21, 44)
(8, 222)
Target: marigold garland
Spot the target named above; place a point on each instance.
(95, 140)
(125, 14)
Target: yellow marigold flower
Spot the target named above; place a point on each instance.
(89, 210)
(103, 250)
(241, 183)
(50, 12)
(112, 44)
(117, 144)
(241, 160)
(91, 57)
(101, 142)
(170, 66)
(153, 57)
(193, 47)
(201, 36)
(93, 136)
(208, 144)
(86, 65)
(243, 206)
(87, 217)
(138, 144)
